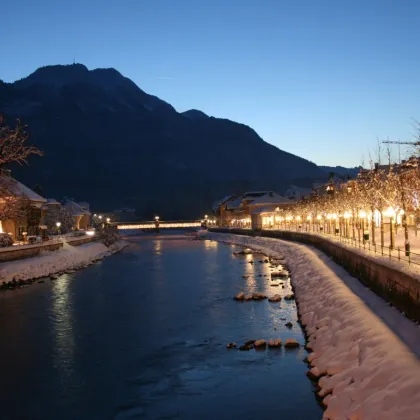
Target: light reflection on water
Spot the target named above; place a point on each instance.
(63, 328)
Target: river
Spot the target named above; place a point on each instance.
(143, 334)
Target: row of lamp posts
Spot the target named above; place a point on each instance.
(329, 224)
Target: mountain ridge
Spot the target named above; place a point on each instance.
(99, 128)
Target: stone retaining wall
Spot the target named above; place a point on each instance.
(397, 287)
(28, 251)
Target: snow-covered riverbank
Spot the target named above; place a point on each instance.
(53, 262)
(365, 370)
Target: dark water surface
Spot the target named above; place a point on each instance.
(142, 335)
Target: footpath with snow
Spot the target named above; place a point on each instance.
(365, 371)
(54, 262)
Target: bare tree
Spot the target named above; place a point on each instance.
(13, 149)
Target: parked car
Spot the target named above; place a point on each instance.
(5, 240)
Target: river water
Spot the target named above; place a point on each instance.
(143, 334)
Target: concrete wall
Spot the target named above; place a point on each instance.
(27, 251)
(398, 288)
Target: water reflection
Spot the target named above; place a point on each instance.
(249, 272)
(210, 244)
(63, 334)
(157, 246)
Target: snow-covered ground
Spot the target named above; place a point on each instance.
(52, 262)
(362, 349)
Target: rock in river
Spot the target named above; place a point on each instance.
(289, 325)
(259, 296)
(245, 347)
(260, 344)
(240, 296)
(291, 343)
(275, 298)
(274, 343)
(231, 346)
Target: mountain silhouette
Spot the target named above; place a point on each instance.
(107, 141)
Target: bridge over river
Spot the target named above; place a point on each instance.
(151, 225)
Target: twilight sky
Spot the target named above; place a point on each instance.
(319, 78)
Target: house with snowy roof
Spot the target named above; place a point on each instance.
(15, 220)
(224, 208)
(248, 209)
(79, 212)
(263, 209)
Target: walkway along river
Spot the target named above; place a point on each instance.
(143, 334)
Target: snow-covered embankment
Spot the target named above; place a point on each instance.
(53, 262)
(365, 371)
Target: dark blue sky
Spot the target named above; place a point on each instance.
(321, 79)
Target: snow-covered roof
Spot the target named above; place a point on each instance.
(234, 204)
(265, 209)
(226, 198)
(52, 201)
(19, 189)
(75, 209)
(272, 198)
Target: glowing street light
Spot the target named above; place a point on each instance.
(108, 219)
(58, 224)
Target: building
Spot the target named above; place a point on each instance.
(264, 210)
(251, 209)
(296, 193)
(223, 208)
(23, 221)
(81, 217)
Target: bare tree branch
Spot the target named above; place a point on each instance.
(13, 147)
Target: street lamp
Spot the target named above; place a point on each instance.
(157, 224)
(108, 219)
(100, 216)
(58, 224)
